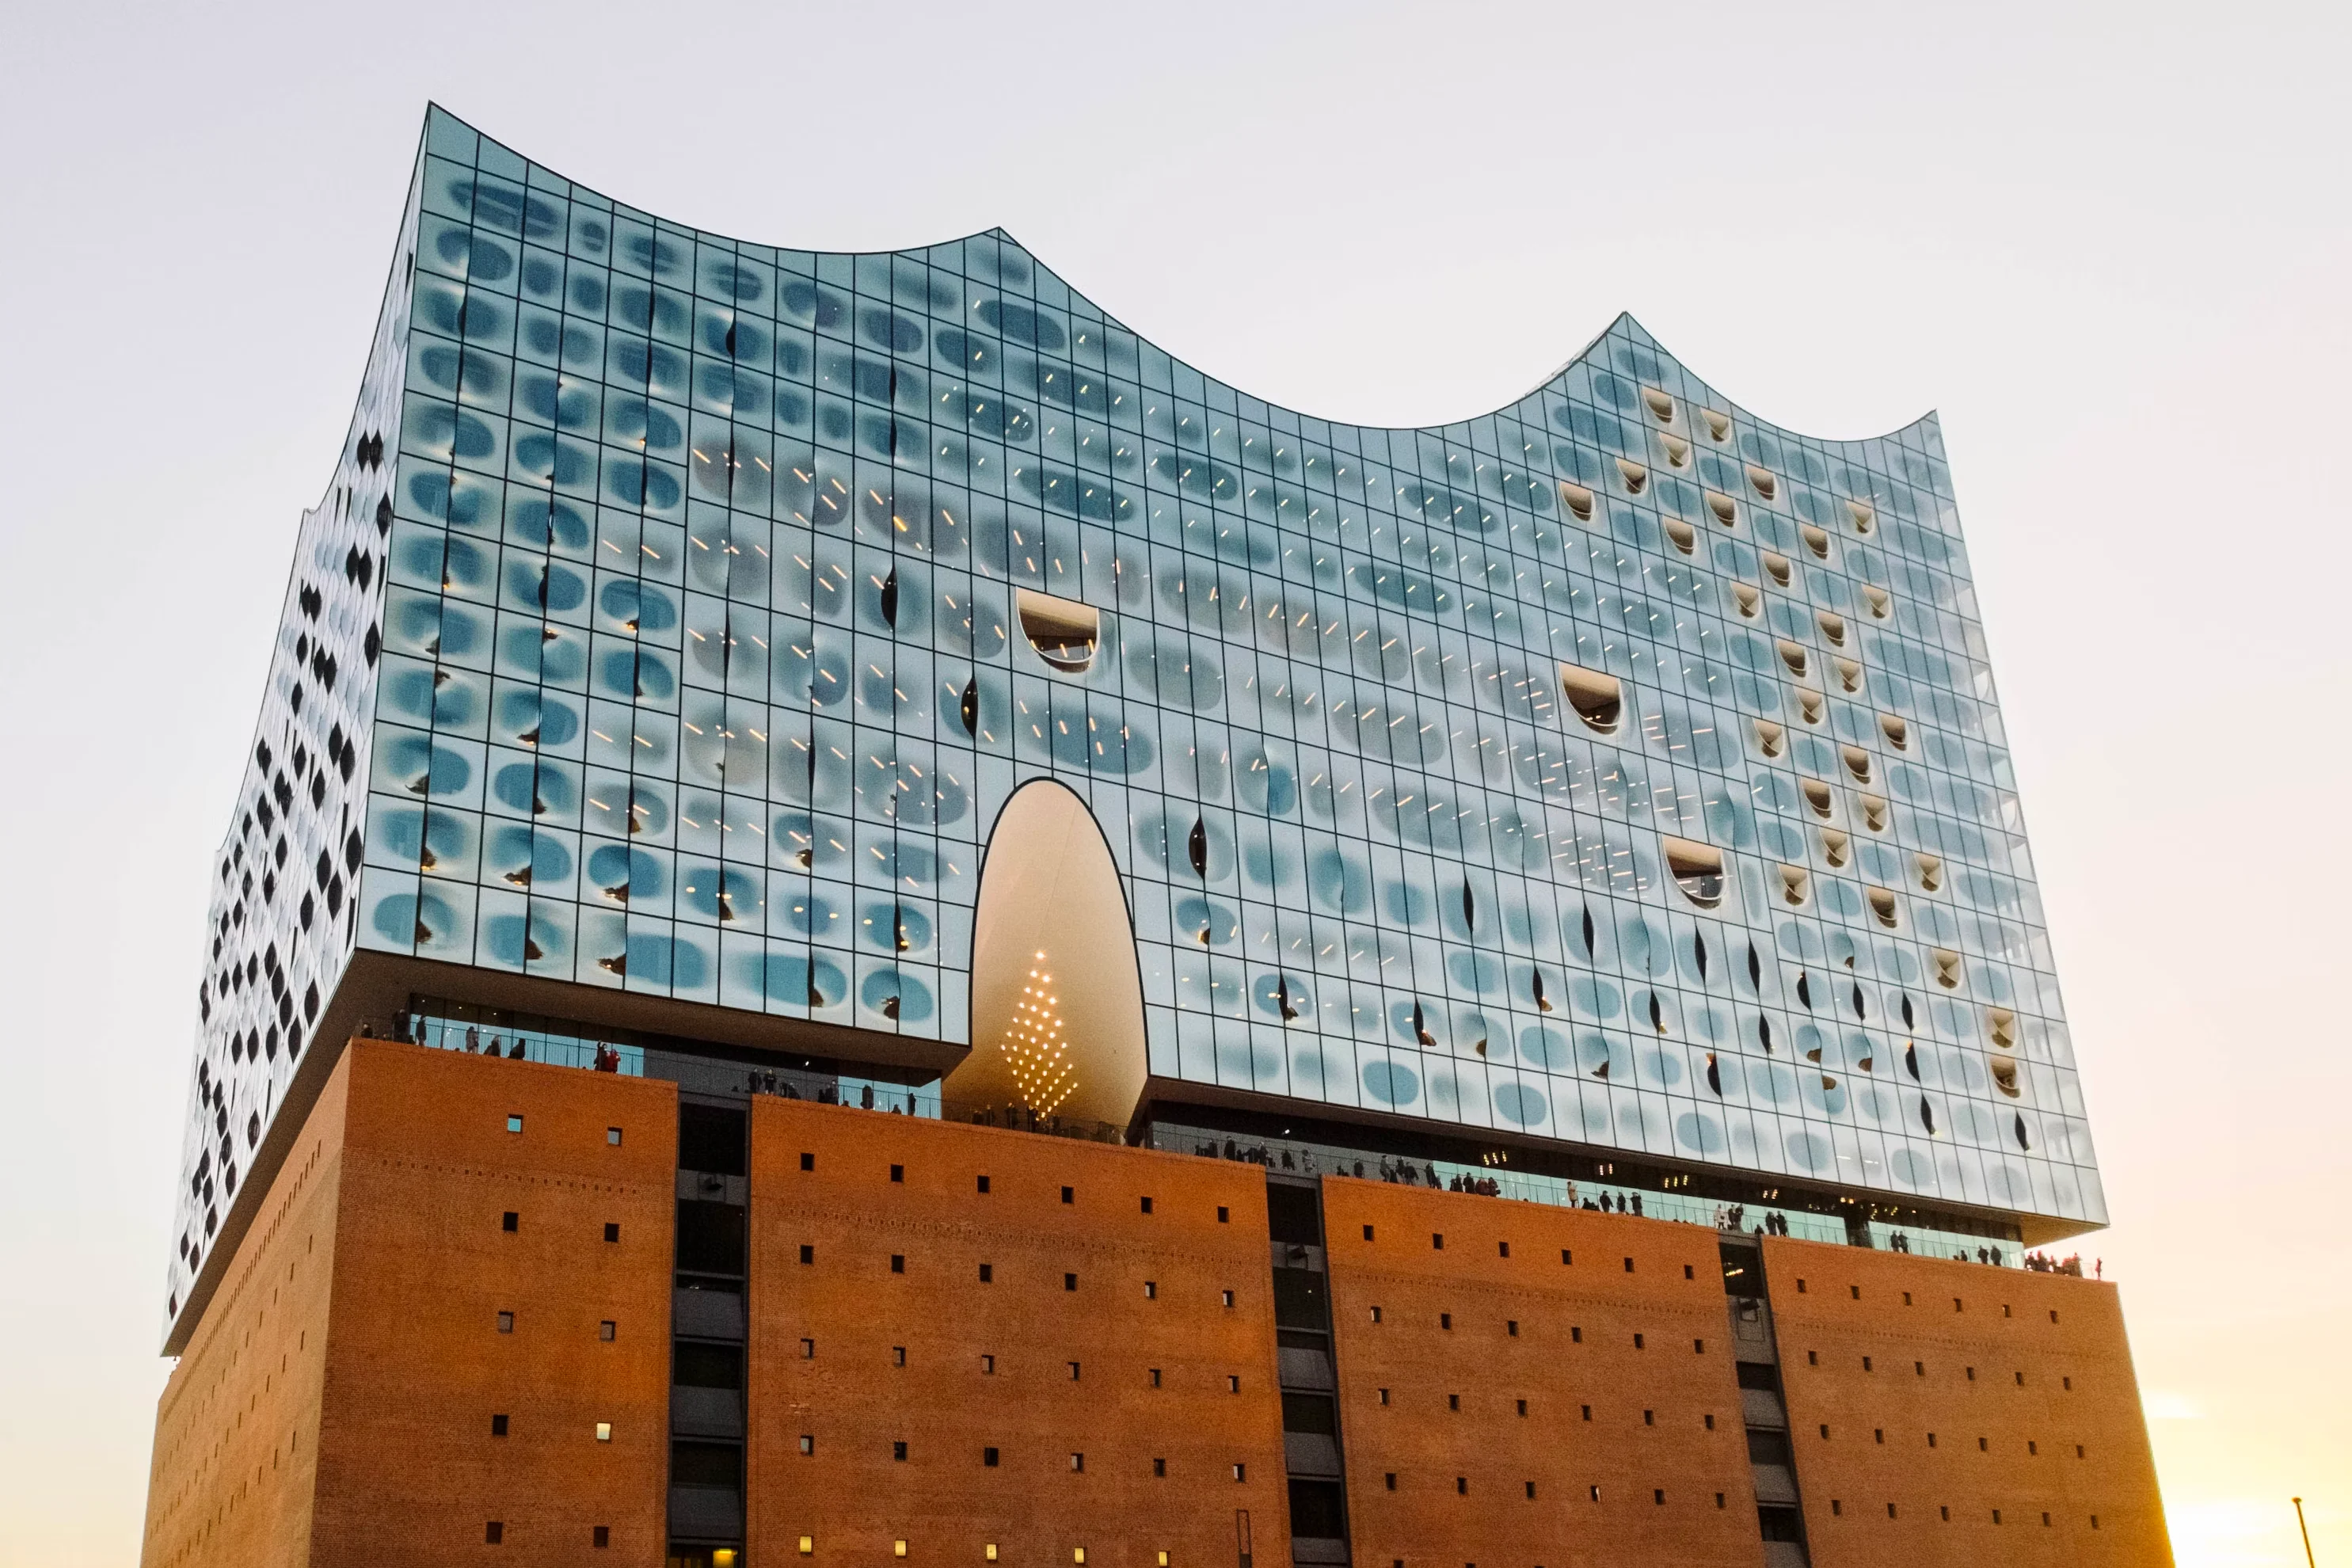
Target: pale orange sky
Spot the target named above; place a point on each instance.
(2109, 245)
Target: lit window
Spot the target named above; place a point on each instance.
(514, 1123)
(603, 1431)
(808, 1545)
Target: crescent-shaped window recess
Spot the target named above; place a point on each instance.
(2001, 1027)
(1697, 869)
(1931, 871)
(1683, 537)
(1832, 627)
(1063, 631)
(1857, 763)
(1598, 698)
(1865, 520)
(1811, 705)
(1874, 812)
(1947, 966)
(1659, 404)
(1677, 450)
(1898, 732)
(1796, 884)
(1777, 567)
(1848, 673)
(1747, 599)
(1718, 425)
(1818, 795)
(1770, 739)
(1634, 475)
(2004, 1075)
(1817, 540)
(1793, 654)
(1576, 499)
(1880, 602)
(1726, 510)
(1766, 485)
(1837, 848)
(1884, 907)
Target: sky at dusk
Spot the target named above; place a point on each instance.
(2110, 245)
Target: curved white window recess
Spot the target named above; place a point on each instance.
(1697, 869)
(1677, 450)
(1874, 812)
(1681, 535)
(1833, 626)
(1659, 404)
(1817, 540)
(1819, 795)
(1857, 763)
(1598, 698)
(1747, 599)
(1793, 654)
(1770, 739)
(2001, 1027)
(1811, 705)
(1865, 520)
(1063, 631)
(1796, 884)
(1837, 847)
(1931, 871)
(1766, 485)
(1884, 907)
(1946, 965)
(1634, 475)
(1898, 732)
(1777, 567)
(2004, 1074)
(1576, 499)
(1718, 425)
(1057, 1021)
(1848, 673)
(1880, 602)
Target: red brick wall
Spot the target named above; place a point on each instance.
(855, 1499)
(2025, 1380)
(1575, 1348)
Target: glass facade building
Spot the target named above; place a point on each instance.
(1615, 770)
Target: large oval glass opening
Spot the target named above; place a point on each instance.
(1598, 698)
(1063, 631)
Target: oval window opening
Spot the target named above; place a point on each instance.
(1848, 673)
(1725, 512)
(1697, 869)
(1883, 905)
(1898, 732)
(1865, 520)
(1836, 847)
(1677, 450)
(1873, 813)
(1682, 536)
(1817, 540)
(1793, 656)
(1659, 404)
(1948, 967)
(1634, 475)
(1776, 566)
(2004, 1075)
(1766, 485)
(1599, 700)
(1832, 627)
(1931, 871)
(1818, 796)
(1880, 602)
(2000, 1026)
(1748, 600)
(1795, 883)
(1577, 499)
(1857, 763)
(1770, 738)
(1063, 631)
(1811, 705)
(1718, 425)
